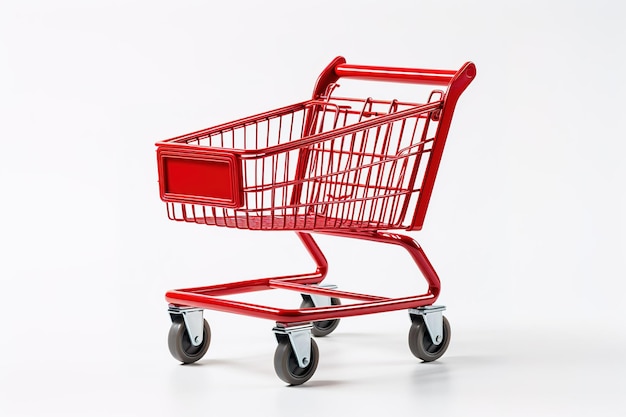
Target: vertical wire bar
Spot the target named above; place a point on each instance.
(373, 166)
(406, 160)
(262, 184)
(211, 215)
(202, 214)
(306, 168)
(367, 107)
(332, 146)
(246, 163)
(275, 171)
(348, 171)
(359, 172)
(226, 215)
(379, 203)
(256, 173)
(392, 174)
(325, 169)
(169, 213)
(321, 165)
(398, 182)
(417, 161)
(382, 167)
(368, 176)
(300, 181)
(329, 148)
(286, 173)
(314, 156)
(321, 173)
(330, 203)
(343, 204)
(184, 212)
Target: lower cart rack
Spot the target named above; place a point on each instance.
(348, 167)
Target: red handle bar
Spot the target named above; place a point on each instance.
(455, 80)
(401, 75)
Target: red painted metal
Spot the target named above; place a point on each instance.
(186, 172)
(390, 74)
(342, 166)
(207, 297)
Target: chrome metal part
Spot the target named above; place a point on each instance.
(433, 317)
(300, 339)
(194, 322)
(322, 300)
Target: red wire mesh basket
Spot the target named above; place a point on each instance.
(327, 163)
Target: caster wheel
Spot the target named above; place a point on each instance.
(325, 327)
(286, 364)
(421, 344)
(180, 345)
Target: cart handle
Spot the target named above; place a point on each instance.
(395, 74)
(456, 81)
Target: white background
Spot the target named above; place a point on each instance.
(527, 225)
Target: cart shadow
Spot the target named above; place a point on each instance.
(314, 383)
(248, 368)
(248, 363)
(437, 375)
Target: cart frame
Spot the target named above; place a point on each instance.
(294, 324)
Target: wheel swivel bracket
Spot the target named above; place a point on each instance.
(194, 322)
(300, 339)
(321, 300)
(433, 317)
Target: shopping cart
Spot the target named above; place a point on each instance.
(341, 166)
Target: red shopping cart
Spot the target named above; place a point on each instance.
(342, 166)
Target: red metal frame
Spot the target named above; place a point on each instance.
(208, 297)
(292, 199)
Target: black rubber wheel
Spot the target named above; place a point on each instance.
(286, 364)
(180, 345)
(324, 327)
(421, 344)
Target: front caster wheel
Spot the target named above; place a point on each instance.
(324, 327)
(421, 344)
(286, 363)
(180, 345)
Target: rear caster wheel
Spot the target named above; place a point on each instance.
(421, 344)
(180, 345)
(286, 363)
(324, 327)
